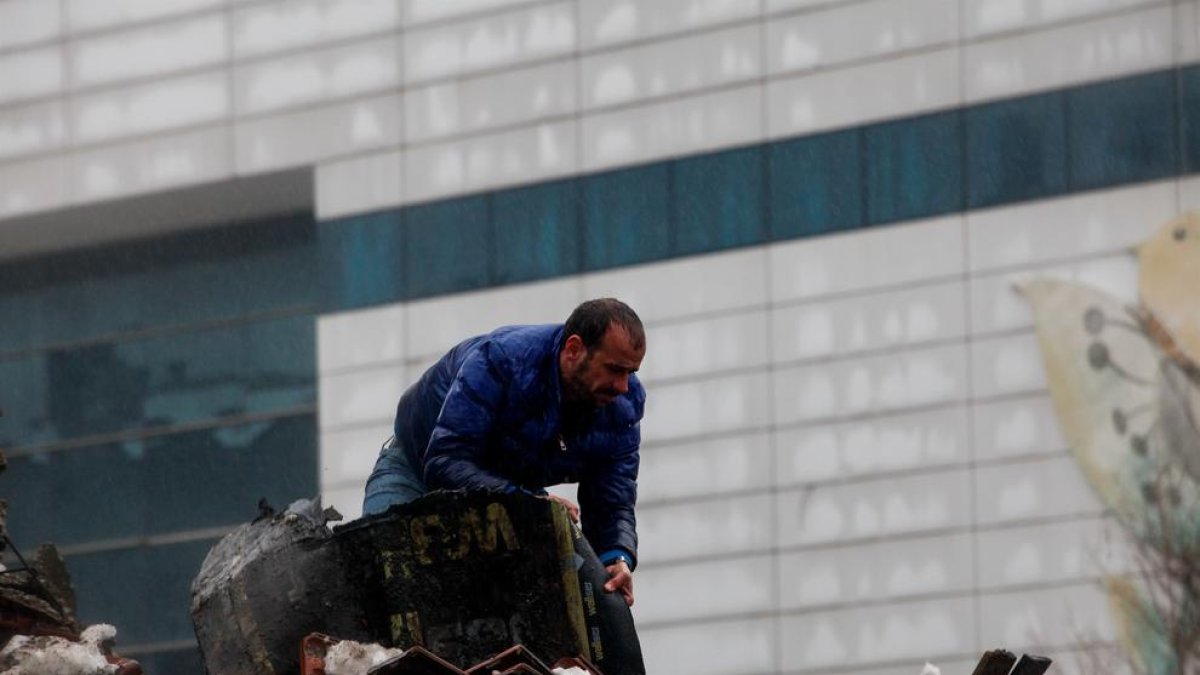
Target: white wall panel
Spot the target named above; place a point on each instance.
(703, 346)
(914, 630)
(1067, 552)
(33, 185)
(988, 17)
(1034, 489)
(302, 137)
(159, 162)
(25, 22)
(347, 500)
(360, 68)
(85, 15)
(481, 162)
(868, 322)
(1011, 364)
(716, 648)
(855, 95)
(364, 183)
(1101, 221)
(700, 529)
(608, 22)
(26, 74)
(1189, 194)
(671, 67)
(489, 42)
(437, 324)
(880, 257)
(676, 127)
(288, 24)
(704, 467)
(997, 306)
(362, 337)
(154, 50)
(416, 12)
(1187, 32)
(1064, 616)
(1076, 53)
(361, 397)
(877, 571)
(860, 30)
(825, 452)
(733, 403)
(876, 384)
(1017, 427)
(484, 102)
(151, 107)
(877, 508)
(688, 591)
(682, 288)
(31, 129)
(347, 456)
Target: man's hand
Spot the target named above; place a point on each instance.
(570, 506)
(620, 579)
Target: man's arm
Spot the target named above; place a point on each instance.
(453, 458)
(607, 500)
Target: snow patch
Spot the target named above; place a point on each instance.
(355, 658)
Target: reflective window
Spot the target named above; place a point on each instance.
(145, 592)
(914, 168)
(448, 247)
(179, 662)
(1017, 150)
(361, 261)
(186, 481)
(1190, 92)
(816, 184)
(178, 379)
(1122, 131)
(718, 201)
(537, 232)
(193, 277)
(626, 217)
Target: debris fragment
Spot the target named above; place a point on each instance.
(356, 658)
(50, 655)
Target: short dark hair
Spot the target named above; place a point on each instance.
(591, 319)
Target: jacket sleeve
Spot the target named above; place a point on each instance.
(454, 456)
(608, 496)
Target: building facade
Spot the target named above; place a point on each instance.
(233, 231)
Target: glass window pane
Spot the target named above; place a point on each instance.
(259, 367)
(816, 184)
(449, 246)
(179, 662)
(1122, 131)
(718, 201)
(1190, 83)
(145, 592)
(914, 168)
(537, 232)
(361, 261)
(626, 217)
(181, 482)
(199, 276)
(1016, 150)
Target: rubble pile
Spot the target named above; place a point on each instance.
(52, 655)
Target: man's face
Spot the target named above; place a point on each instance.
(601, 375)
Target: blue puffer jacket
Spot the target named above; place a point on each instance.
(487, 415)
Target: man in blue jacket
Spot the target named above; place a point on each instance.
(524, 407)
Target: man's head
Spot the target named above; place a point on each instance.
(603, 344)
